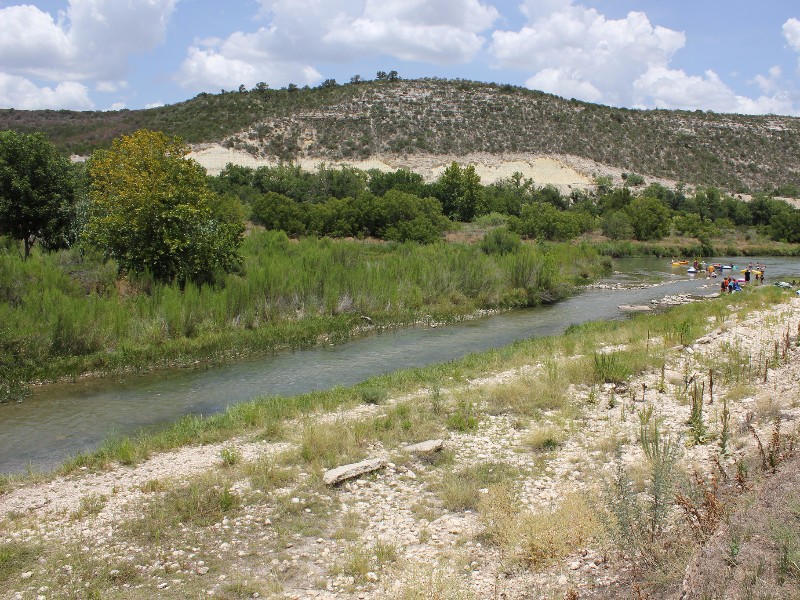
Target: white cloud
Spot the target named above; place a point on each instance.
(111, 86)
(568, 83)
(791, 31)
(770, 83)
(22, 93)
(235, 62)
(92, 39)
(302, 33)
(575, 51)
(118, 106)
(661, 87)
(153, 104)
(577, 48)
(441, 32)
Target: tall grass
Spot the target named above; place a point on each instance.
(65, 314)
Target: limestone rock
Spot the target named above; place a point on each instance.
(427, 447)
(345, 472)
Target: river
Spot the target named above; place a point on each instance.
(60, 420)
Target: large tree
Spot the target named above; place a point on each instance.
(650, 219)
(152, 210)
(37, 190)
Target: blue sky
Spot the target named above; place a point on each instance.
(722, 55)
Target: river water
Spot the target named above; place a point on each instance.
(60, 420)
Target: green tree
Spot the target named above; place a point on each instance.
(785, 226)
(617, 225)
(37, 191)
(650, 219)
(152, 210)
(544, 221)
(405, 217)
(460, 192)
(276, 211)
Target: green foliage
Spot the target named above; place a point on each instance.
(152, 211)
(459, 191)
(278, 212)
(500, 241)
(611, 368)
(649, 218)
(16, 557)
(617, 225)
(633, 179)
(62, 313)
(373, 395)
(204, 500)
(746, 153)
(638, 521)
(542, 220)
(464, 418)
(396, 216)
(785, 226)
(37, 191)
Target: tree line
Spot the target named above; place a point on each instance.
(147, 207)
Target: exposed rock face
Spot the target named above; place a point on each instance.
(345, 472)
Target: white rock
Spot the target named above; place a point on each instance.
(345, 472)
(427, 447)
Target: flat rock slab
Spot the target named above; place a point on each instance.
(428, 447)
(345, 472)
(634, 307)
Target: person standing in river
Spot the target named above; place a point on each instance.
(747, 275)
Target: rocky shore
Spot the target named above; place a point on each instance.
(399, 531)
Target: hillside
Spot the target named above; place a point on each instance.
(454, 117)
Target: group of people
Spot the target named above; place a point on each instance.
(730, 285)
(759, 272)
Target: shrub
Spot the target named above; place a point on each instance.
(500, 241)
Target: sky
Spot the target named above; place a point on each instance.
(728, 56)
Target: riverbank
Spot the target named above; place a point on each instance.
(517, 503)
(68, 316)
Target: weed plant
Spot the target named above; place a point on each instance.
(535, 539)
(204, 500)
(72, 317)
(266, 475)
(16, 557)
(460, 490)
(637, 521)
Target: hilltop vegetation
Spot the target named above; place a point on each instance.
(433, 116)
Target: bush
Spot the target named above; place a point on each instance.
(500, 241)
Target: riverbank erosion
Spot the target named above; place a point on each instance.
(598, 464)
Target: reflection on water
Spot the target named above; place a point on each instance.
(63, 419)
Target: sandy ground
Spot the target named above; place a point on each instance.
(436, 549)
(564, 172)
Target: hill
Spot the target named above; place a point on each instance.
(454, 117)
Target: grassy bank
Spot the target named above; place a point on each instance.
(65, 314)
(247, 512)
(266, 416)
(691, 247)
